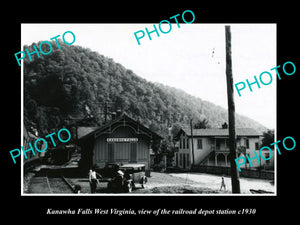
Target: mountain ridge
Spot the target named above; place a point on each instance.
(76, 82)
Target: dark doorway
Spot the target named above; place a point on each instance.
(133, 152)
(111, 153)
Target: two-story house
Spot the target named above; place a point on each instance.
(210, 147)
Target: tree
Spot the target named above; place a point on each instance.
(161, 148)
(175, 129)
(201, 124)
(268, 138)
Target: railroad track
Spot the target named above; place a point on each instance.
(50, 183)
(58, 185)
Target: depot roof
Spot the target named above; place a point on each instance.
(85, 132)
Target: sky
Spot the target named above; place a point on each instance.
(191, 58)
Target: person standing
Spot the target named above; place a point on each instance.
(93, 180)
(223, 184)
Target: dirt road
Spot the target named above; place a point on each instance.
(158, 183)
(214, 182)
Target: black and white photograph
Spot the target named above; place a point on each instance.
(138, 112)
(147, 116)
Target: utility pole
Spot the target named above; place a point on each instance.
(235, 183)
(106, 106)
(193, 155)
(105, 112)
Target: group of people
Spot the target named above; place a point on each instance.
(94, 176)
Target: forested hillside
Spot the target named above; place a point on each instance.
(72, 84)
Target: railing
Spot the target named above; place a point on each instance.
(222, 150)
(218, 149)
(241, 149)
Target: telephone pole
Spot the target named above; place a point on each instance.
(192, 140)
(106, 107)
(235, 183)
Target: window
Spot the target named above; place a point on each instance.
(199, 143)
(218, 143)
(176, 158)
(247, 143)
(187, 144)
(256, 146)
(180, 159)
(187, 160)
(226, 143)
(183, 143)
(180, 143)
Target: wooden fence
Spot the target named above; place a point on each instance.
(220, 170)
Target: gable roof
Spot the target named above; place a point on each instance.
(220, 132)
(85, 132)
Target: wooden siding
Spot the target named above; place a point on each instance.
(121, 152)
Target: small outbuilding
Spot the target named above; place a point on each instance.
(123, 140)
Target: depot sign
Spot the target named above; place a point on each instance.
(122, 139)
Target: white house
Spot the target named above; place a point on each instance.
(211, 147)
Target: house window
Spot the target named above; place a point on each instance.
(183, 143)
(187, 144)
(180, 143)
(256, 146)
(176, 158)
(226, 143)
(199, 143)
(247, 143)
(218, 144)
(187, 160)
(180, 159)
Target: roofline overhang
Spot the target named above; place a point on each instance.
(107, 128)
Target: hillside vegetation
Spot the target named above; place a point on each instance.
(70, 86)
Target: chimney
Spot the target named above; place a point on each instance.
(119, 112)
(113, 115)
(224, 126)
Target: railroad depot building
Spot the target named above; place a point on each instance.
(122, 141)
(211, 147)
